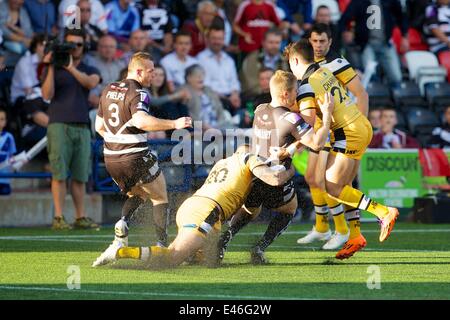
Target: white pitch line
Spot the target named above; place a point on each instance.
(150, 294)
(243, 245)
(240, 233)
(331, 251)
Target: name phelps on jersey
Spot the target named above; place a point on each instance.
(118, 103)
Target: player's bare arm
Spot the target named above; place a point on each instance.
(273, 175)
(99, 126)
(146, 122)
(362, 98)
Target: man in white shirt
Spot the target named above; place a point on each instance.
(176, 63)
(221, 75)
(25, 86)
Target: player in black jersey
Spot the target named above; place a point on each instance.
(276, 125)
(123, 120)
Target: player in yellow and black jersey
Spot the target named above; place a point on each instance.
(223, 193)
(320, 39)
(351, 133)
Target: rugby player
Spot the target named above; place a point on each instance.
(320, 39)
(223, 192)
(123, 120)
(350, 136)
(277, 124)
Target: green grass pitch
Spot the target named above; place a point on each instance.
(414, 263)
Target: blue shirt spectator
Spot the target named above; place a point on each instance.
(39, 11)
(123, 18)
(7, 150)
(303, 7)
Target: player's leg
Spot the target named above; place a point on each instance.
(157, 193)
(340, 167)
(356, 240)
(321, 229)
(281, 219)
(186, 243)
(136, 197)
(242, 217)
(353, 214)
(239, 220)
(336, 209)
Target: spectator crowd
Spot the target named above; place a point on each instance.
(213, 59)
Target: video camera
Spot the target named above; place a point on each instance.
(61, 52)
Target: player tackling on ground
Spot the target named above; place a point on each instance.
(123, 120)
(230, 181)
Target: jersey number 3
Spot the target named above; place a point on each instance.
(114, 113)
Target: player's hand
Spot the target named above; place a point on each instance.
(278, 153)
(327, 106)
(183, 122)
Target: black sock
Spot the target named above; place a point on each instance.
(277, 226)
(160, 218)
(130, 206)
(239, 221)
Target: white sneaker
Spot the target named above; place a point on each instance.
(109, 255)
(336, 241)
(313, 236)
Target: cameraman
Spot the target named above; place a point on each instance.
(69, 138)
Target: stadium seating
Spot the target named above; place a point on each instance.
(444, 60)
(408, 95)
(423, 67)
(379, 95)
(414, 38)
(401, 122)
(438, 96)
(421, 123)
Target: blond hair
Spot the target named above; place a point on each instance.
(282, 81)
(137, 60)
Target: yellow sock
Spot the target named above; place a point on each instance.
(356, 199)
(337, 210)
(158, 251)
(141, 253)
(129, 252)
(352, 215)
(321, 209)
(355, 228)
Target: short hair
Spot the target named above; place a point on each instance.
(78, 32)
(182, 33)
(192, 70)
(3, 109)
(274, 31)
(38, 38)
(301, 48)
(282, 81)
(137, 60)
(388, 108)
(320, 28)
(205, 3)
(322, 7)
(265, 69)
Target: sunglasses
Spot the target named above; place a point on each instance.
(78, 44)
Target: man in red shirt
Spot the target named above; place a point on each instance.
(253, 19)
(388, 137)
(206, 13)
